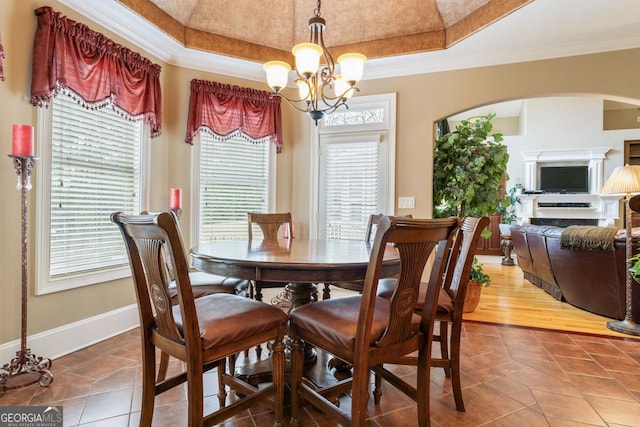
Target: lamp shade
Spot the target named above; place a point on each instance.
(352, 66)
(277, 74)
(623, 180)
(307, 58)
(342, 87)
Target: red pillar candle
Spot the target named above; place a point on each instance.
(22, 143)
(175, 201)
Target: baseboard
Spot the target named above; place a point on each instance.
(66, 339)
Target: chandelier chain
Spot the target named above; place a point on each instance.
(316, 11)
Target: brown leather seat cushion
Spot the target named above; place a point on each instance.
(206, 284)
(220, 314)
(386, 287)
(335, 320)
(445, 303)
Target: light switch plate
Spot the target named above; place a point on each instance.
(406, 202)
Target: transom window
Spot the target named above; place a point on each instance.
(355, 117)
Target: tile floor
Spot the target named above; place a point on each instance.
(512, 376)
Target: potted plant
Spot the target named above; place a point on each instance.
(507, 210)
(469, 165)
(477, 280)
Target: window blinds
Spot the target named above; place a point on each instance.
(234, 180)
(95, 171)
(350, 183)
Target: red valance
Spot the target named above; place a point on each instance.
(226, 110)
(68, 55)
(1, 61)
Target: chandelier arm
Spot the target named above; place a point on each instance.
(328, 58)
(325, 97)
(335, 107)
(292, 102)
(332, 102)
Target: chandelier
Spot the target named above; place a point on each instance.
(320, 90)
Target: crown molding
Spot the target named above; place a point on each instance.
(484, 48)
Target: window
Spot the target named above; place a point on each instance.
(91, 166)
(350, 180)
(231, 177)
(355, 167)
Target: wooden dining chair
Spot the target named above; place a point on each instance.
(451, 304)
(357, 286)
(202, 284)
(270, 224)
(366, 330)
(201, 332)
(456, 264)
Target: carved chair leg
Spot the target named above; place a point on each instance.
(222, 391)
(278, 361)
(258, 291)
(297, 362)
(326, 293)
(377, 389)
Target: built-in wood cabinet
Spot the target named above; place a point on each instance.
(632, 152)
(491, 246)
(632, 157)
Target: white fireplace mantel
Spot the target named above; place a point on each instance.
(577, 206)
(592, 157)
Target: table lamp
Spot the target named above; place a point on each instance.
(625, 180)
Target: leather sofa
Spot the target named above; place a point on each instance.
(590, 280)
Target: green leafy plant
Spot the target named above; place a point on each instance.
(469, 165)
(478, 275)
(507, 206)
(635, 267)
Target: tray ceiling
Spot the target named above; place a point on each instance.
(261, 30)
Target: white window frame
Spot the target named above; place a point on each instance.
(385, 131)
(194, 231)
(44, 283)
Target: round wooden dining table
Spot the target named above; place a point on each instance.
(300, 263)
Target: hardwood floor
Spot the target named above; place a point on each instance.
(511, 375)
(511, 300)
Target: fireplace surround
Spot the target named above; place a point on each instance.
(563, 209)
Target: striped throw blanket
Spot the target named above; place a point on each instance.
(588, 238)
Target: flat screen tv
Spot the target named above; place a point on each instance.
(564, 179)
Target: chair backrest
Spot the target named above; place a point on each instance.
(439, 270)
(270, 224)
(463, 252)
(414, 240)
(373, 221)
(149, 239)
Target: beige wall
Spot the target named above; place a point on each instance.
(421, 100)
(170, 167)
